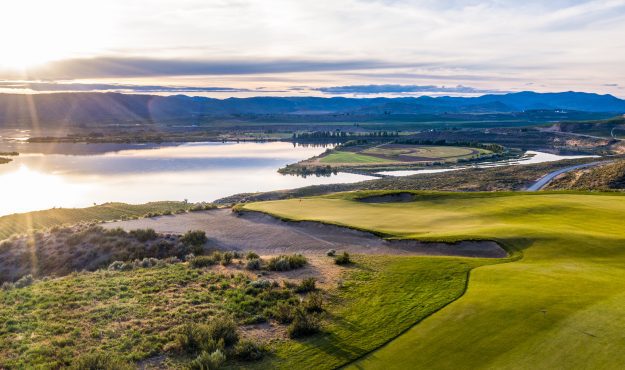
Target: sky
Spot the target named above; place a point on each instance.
(352, 48)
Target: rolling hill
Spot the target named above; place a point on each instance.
(41, 110)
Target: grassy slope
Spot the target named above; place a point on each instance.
(22, 222)
(608, 177)
(559, 307)
(133, 314)
(347, 157)
(381, 297)
(53, 321)
(130, 314)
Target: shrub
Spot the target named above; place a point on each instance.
(217, 256)
(24, 281)
(224, 329)
(146, 262)
(100, 361)
(194, 237)
(307, 285)
(253, 264)
(331, 253)
(194, 338)
(279, 264)
(206, 361)
(118, 231)
(143, 235)
(120, 266)
(304, 324)
(313, 303)
(198, 250)
(286, 263)
(260, 284)
(343, 259)
(247, 350)
(256, 319)
(172, 260)
(202, 207)
(202, 261)
(283, 313)
(252, 256)
(227, 258)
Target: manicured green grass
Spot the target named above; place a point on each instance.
(348, 157)
(22, 222)
(560, 306)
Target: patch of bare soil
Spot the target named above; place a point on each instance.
(253, 231)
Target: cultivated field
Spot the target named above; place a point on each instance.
(559, 306)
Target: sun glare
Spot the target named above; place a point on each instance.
(27, 181)
(36, 32)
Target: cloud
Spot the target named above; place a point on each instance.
(431, 76)
(79, 87)
(118, 67)
(399, 89)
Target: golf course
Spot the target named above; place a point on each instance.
(556, 305)
(386, 153)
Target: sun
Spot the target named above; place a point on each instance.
(36, 31)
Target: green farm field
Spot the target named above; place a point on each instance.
(559, 306)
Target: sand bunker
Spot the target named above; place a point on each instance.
(269, 236)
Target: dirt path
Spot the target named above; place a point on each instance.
(269, 236)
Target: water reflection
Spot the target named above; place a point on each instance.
(78, 175)
(530, 157)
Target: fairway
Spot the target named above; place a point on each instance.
(560, 306)
(348, 157)
(399, 154)
(420, 151)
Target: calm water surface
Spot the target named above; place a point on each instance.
(79, 175)
(530, 157)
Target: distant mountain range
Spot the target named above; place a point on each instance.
(104, 108)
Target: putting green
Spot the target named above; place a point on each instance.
(560, 306)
